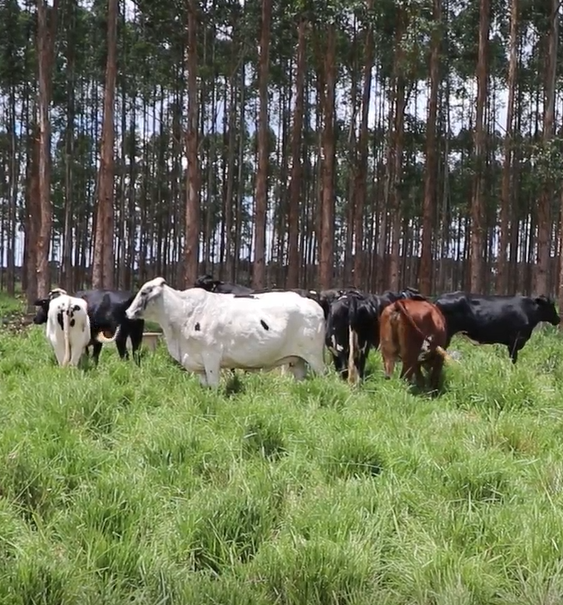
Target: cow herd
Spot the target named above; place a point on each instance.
(216, 325)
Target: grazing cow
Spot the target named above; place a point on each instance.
(353, 326)
(506, 320)
(214, 285)
(350, 333)
(68, 327)
(206, 331)
(415, 332)
(106, 311)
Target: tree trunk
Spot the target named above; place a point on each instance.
(541, 285)
(361, 172)
(192, 201)
(263, 151)
(506, 189)
(46, 40)
(477, 209)
(102, 268)
(296, 170)
(326, 252)
(429, 204)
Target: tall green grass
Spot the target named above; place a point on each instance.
(135, 485)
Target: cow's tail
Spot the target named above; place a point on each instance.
(66, 335)
(101, 337)
(353, 375)
(427, 341)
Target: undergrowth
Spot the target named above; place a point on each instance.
(122, 484)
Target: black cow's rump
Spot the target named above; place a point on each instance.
(506, 320)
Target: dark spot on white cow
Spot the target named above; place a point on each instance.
(264, 325)
(197, 327)
(76, 308)
(72, 323)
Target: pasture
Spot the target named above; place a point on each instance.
(135, 485)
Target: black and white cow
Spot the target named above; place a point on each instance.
(353, 326)
(506, 320)
(106, 311)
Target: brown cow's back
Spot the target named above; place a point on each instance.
(406, 327)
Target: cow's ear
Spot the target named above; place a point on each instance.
(40, 302)
(543, 300)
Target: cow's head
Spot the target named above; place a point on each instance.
(207, 283)
(42, 312)
(148, 294)
(547, 310)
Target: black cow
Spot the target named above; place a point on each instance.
(106, 310)
(351, 332)
(389, 297)
(214, 285)
(506, 320)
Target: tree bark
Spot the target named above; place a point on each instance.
(541, 285)
(361, 172)
(263, 151)
(506, 189)
(46, 43)
(429, 204)
(192, 200)
(296, 170)
(103, 265)
(477, 207)
(326, 253)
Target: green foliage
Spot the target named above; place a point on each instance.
(126, 484)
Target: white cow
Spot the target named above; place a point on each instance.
(68, 328)
(206, 331)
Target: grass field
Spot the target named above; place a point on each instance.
(127, 485)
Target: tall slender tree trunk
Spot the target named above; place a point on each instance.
(541, 285)
(506, 189)
(296, 170)
(361, 172)
(430, 176)
(103, 264)
(395, 157)
(477, 206)
(46, 43)
(263, 151)
(192, 201)
(328, 95)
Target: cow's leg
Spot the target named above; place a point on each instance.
(340, 365)
(410, 365)
(97, 346)
(136, 335)
(212, 364)
(513, 349)
(75, 356)
(121, 343)
(202, 378)
(298, 369)
(59, 349)
(436, 373)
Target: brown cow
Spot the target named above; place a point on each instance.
(415, 332)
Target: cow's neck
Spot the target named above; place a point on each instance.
(173, 310)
